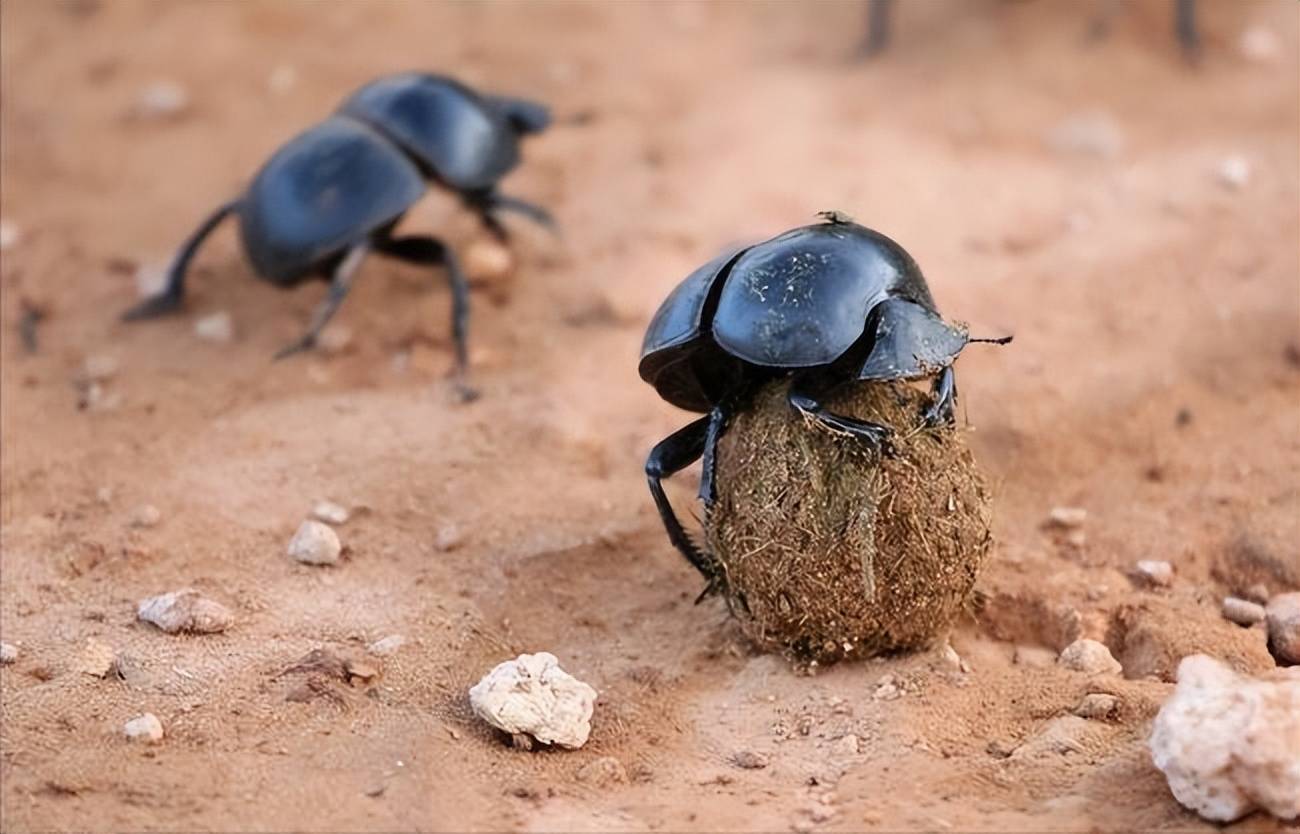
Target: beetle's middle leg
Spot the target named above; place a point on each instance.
(340, 283)
(673, 454)
(428, 250)
(945, 399)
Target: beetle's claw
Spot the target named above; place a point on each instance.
(153, 306)
(304, 344)
(713, 588)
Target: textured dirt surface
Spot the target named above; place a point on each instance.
(1154, 381)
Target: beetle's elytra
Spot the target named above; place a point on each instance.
(336, 191)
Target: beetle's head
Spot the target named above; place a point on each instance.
(523, 115)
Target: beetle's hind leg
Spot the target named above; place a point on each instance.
(673, 454)
(170, 297)
(428, 250)
(1185, 28)
(874, 435)
(877, 37)
(340, 284)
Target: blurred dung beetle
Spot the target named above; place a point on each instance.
(336, 191)
(827, 304)
(879, 14)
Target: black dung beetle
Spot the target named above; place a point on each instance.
(879, 13)
(827, 304)
(336, 191)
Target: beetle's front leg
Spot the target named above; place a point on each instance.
(945, 399)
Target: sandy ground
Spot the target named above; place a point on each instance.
(1154, 381)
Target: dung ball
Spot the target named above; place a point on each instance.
(829, 550)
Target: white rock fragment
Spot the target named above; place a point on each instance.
(1234, 172)
(887, 689)
(330, 513)
(1087, 134)
(487, 261)
(846, 745)
(1067, 518)
(146, 515)
(1229, 744)
(282, 79)
(9, 235)
(1259, 44)
(1243, 612)
(216, 327)
(150, 279)
(185, 610)
(1097, 705)
(386, 645)
(1155, 572)
(146, 728)
(97, 658)
(334, 340)
(532, 695)
(315, 544)
(162, 100)
(1283, 615)
(8, 653)
(447, 538)
(1089, 657)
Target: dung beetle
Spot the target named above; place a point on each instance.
(826, 304)
(879, 14)
(336, 191)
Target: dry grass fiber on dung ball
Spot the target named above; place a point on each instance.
(829, 551)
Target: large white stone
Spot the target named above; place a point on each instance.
(1230, 744)
(532, 695)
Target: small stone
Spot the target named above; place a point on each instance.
(1259, 44)
(146, 729)
(334, 340)
(488, 262)
(846, 745)
(9, 235)
(1067, 518)
(162, 100)
(531, 696)
(387, 645)
(185, 610)
(1234, 172)
(330, 513)
(99, 368)
(447, 538)
(1228, 743)
(146, 515)
(1283, 615)
(887, 689)
(104, 495)
(1089, 657)
(96, 658)
(1087, 134)
(1097, 705)
(749, 760)
(1243, 612)
(282, 79)
(1156, 573)
(8, 653)
(216, 327)
(1257, 593)
(315, 544)
(150, 280)
(603, 772)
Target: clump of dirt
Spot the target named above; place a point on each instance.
(830, 550)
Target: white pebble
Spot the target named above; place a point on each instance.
(1088, 134)
(487, 261)
(334, 340)
(1234, 172)
(315, 544)
(9, 234)
(1242, 611)
(185, 610)
(1229, 744)
(162, 100)
(1097, 705)
(447, 538)
(1156, 572)
(846, 745)
(150, 280)
(8, 653)
(1259, 44)
(282, 79)
(146, 515)
(97, 658)
(146, 728)
(387, 645)
(217, 327)
(1089, 657)
(99, 368)
(1283, 614)
(1067, 517)
(532, 695)
(330, 513)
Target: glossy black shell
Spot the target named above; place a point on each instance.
(801, 300)
(459, 138)
(327, 189)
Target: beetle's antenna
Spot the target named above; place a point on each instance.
(1002, 340)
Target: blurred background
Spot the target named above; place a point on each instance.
(1061, 171)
